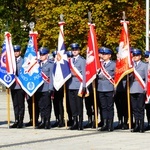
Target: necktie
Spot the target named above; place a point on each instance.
(104, 64)
(74, 60)
(16, 68)
(135, 64)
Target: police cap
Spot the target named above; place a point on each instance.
(136, 52)
(17, 48)
(69, 53)
(43, 50)
(146, 54)
(106, 50)
(74, 46)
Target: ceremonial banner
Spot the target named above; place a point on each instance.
(61, 71)
(92, 59)
(148, 84)
(123, 63)
(30, 76)
(7, 62)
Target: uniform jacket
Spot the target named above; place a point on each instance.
(142, 69)
(19, 63)
(47, 69)
(73, 82)
(103, 84)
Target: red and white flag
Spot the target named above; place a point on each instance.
(148, 84)
(124, 62)
(92, 59)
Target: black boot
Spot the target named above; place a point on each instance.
(141, 124)
(15, 124)
(125, 124)
(105, 126)
(42, 124)
(56, 123)
(20, 124)
(75, 123)
(120, 124)
(47, 124)
(89, 124)
(110, 125)
(80, 123)
(136, 128)
(148, 126)
(61, 121)
(30, 123)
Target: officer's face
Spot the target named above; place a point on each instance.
(146, 59)
(136, 57)
(106, 57)
(17, 53)
(75, 52)
(43, 57)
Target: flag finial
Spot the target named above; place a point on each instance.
(124, 16)
(31, 25)
(61, 18)
(90, 17)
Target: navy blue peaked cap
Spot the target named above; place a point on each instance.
(17, 48)
(105, 50)
(43, 50)
(74, 46)
(146, 54)
(136, 51)
(69, 53)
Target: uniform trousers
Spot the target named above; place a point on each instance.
(58, 104)
(30, 110)
(138, 105)
(44, 104)
(18, 99)
(120, 99)
(106, 104)
(76, 103)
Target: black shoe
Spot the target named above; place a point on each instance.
(30, 123)
(100, 124)
(70, 122)
(20, 125)
(14, 125)
(125, 127)
(55, 124)
(47, 125)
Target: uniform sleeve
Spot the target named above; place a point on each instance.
(51, 78)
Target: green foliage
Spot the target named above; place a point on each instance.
(106, 15)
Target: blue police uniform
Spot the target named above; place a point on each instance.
(58, 103)
(76, 102)
(137, 93)
(43, 93)
(105, 92)
(17, 94)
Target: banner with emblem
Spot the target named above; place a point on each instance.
(7, 62)
(92, 59)
(61, 71)
(124, 62)
(30, 76)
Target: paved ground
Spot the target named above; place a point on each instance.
(63, 139)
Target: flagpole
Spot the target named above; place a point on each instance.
(65, 106)
(93, 83)
(31, 25)
(128, 88)
(8, 106)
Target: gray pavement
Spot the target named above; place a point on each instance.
(63, 139)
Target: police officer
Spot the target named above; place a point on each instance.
(120, 99)
(147, 106)
(137, 93)
(43, 93)
(17, 93)
(76, 102)
(105, 89)
(58, 104)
